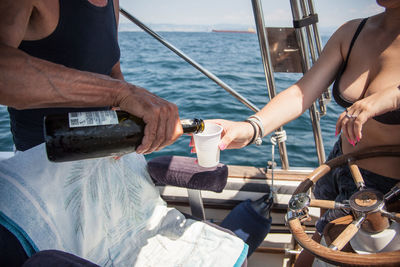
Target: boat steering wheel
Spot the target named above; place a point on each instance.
(366, 205)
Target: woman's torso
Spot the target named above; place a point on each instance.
(372, 66)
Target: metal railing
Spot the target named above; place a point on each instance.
(310, 49)
(190, 61)
(269, 76)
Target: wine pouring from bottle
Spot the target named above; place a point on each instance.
(93, 134)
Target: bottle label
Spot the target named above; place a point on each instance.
(92, 118)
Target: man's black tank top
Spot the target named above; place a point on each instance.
(84, 39)
(391, 117)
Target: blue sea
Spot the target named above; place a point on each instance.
(235, 59)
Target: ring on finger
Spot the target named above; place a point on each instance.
(351, 116)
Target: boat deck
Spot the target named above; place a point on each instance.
(245, 182)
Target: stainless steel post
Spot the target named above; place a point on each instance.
(312, 44)
(264, 47)
(315, 28)
(190, 61)
(314, 115)
(196, 203)
(327, 94)
(315, 50)
(309, 34)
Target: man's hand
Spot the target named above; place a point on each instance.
(163, 126)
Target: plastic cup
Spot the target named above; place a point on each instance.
(206, 144)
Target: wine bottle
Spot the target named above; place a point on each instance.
(83, 135)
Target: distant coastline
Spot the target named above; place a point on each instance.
(235, 31)
(130, 27)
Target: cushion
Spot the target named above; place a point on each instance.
(185, 172)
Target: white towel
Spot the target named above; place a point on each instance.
(107, 211)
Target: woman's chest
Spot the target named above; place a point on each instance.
(371, 68)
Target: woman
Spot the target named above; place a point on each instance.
(363, 57)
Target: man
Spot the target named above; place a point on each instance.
(57, 56)
(65, 54)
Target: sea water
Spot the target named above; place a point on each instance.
(235, 59)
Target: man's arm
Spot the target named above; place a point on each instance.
(29, 82)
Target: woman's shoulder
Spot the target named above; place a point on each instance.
(343, 35)
(348, 28)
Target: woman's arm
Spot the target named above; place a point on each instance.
(292, 102)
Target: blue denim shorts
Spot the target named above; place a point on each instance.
(338, 185)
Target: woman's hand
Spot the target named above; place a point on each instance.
(351, 121)
(236, 134)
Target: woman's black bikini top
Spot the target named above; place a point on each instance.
(391, 117)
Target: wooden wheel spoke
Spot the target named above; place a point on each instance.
(348, 233)
(357, 177)
(328, 204)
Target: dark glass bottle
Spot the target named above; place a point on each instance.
(94, 134)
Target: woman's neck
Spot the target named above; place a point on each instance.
(391, 19)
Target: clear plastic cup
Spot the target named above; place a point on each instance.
(206, 144)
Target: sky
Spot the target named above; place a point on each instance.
(332, 13)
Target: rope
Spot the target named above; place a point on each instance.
(277, 137)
